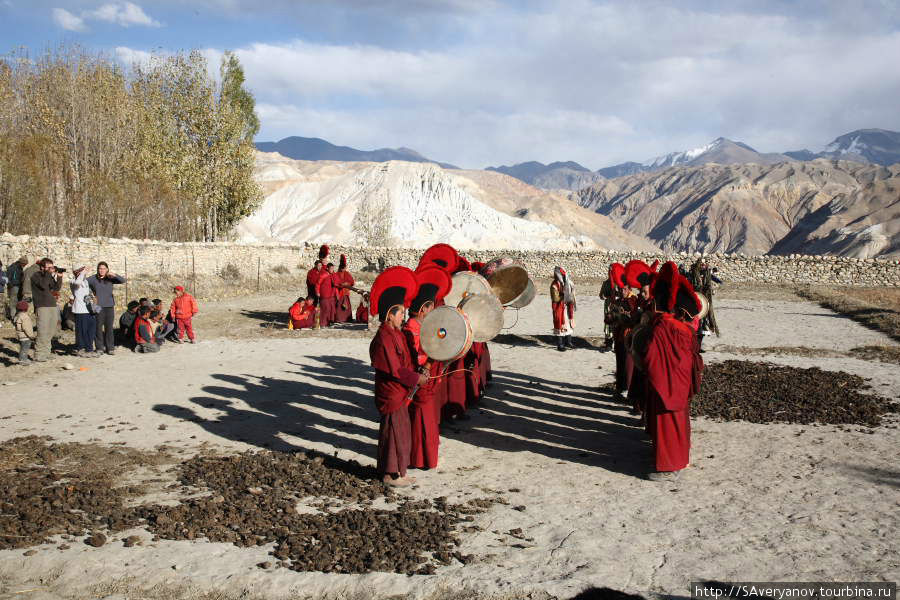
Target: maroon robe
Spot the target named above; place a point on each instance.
(327, 299)
(343, 309)
(312, 284)
(473, 375)
(362, 313)
(423, 415)
(672, 365)
(485, 364)
(395, 377)
(455, 383)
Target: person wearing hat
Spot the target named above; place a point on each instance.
(621, 307)
(637, 276)
(85, 319)
(396, 376)
(183, 309)
(434, 283)
(673, 366)
(24, 331)
(343, 281)
(327, 297)
(562, 304)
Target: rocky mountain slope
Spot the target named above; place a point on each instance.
(878, 146)
(817, 207)
(416, 205)
(302, 148)
(567, 175)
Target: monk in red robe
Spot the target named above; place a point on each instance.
(327, 297)
(362, 311)
(672, 365)
(302, 314)
(343, 281)
(395, 374)
(434, 283)
(313, 277)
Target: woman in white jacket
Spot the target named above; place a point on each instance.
(85, 322)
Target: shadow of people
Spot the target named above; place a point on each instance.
(330, 405)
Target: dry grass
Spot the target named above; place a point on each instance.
(876, 308)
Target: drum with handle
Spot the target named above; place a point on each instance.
(445, 334)
(465, 283)
(485, 314)
(507, 278)
(526, 297)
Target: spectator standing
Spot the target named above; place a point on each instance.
(4, 282)
(102, 287)
(27, 274)
(24, 331)
(14, 274)
(85, 319)
(183, 309)
(45, 286)
(327, 297)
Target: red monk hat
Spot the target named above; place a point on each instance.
(617, 275)
(477, 266)
(443, 255)
(396, 286)
(343, 264)
(637, 274)
(673, 293)
(323, 251)
(462, 264)
(434, 283)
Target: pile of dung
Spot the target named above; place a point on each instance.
(760, 392)
(62, 489)
(320, 514)
(253, 501)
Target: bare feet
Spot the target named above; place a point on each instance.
(398, 482)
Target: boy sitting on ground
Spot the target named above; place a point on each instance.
(143, 332)
(302, 314)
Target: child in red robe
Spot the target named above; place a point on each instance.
(672, 365)
(302, 314)
(327, 297)
(434, 283)
(343, 281)
(395, 373)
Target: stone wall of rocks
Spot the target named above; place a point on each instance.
(230, 261)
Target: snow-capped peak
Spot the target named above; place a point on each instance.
(676, 158)
(856, 147)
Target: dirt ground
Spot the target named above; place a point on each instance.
(775, 502)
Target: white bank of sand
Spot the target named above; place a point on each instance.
(761, 502)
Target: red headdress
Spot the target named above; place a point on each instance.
(343, 264)
(637, 274)
(395, 286)
(462, 265)
(673, 292)
(477, 266)
(323, 251)
(616, 275)
(443, 255)
(434, 283)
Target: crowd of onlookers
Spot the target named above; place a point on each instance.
(32, 304)
(328, 297)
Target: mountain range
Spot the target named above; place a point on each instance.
(302, 148)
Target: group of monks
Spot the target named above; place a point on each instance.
(652, 312)
(414, 393)
(327, 296)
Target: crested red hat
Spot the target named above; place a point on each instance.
(434, 283)
(323, 251)
(617, 274)
(462, 264)
(443, 255)
(395, 286)
(637, 273)
(672, 291)
(343, 262)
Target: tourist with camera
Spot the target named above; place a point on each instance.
(45, 286)
(102, 287)
(85, 311)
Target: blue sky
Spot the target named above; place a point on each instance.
(486, 82)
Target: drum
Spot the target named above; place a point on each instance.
(445, 334)
(507, 278)
(485, 314)
(526, 297)
(466, 283)
(640, 337)
(704, 303)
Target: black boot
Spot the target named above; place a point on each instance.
(559, 343)
(569, 343)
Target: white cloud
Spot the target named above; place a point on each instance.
(124, 14)
(67, 20)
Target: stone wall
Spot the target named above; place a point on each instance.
(193, 263)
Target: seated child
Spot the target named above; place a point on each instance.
(143, 332)
(126, 324)
(302, 314)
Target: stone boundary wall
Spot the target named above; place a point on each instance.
(149, 259)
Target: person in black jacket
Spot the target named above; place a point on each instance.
(126, 324)
(102, 287)
(45, 286)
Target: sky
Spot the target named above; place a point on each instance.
(490, 82)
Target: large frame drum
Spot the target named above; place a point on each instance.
(445, 334)
(485, 314)
(526, 297)
(466, 283)
(704, 306)
(507, 279)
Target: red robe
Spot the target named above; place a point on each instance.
(623, 361)
(362, 313)
(473, 374)
(455, 383)
(423, 415)
(560, 310)
(312, 284)
(343, 312)
(395, 376)
(672, 364)
(327, 299)
(302, 315)
(485, 363)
